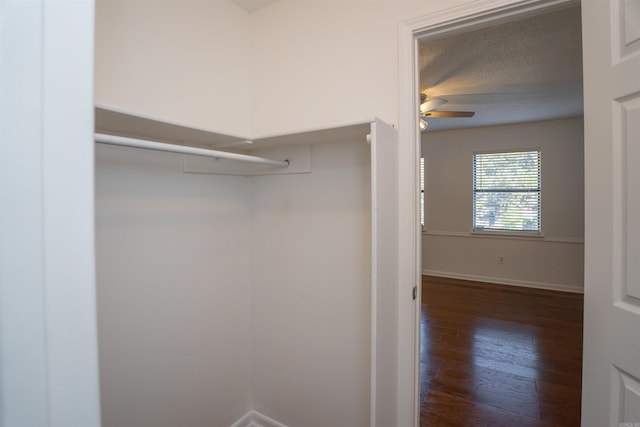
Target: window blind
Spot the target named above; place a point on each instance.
(506, 191)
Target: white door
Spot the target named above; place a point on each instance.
(384, 273)
(611, 372)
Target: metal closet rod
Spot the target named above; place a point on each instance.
(181, 149)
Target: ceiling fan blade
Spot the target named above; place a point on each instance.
(448, 114)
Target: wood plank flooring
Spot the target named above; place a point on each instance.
(494, 355)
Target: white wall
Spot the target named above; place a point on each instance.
(311, 291)
(212, 301)
(310, 314)
(449, 248)
(319, 63)
(173, 263)
(291, 66)
(182, 60)
(311, 64)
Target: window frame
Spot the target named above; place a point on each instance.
(501, 232)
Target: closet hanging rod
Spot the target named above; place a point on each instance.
(102, 138)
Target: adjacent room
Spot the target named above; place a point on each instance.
(503, 223)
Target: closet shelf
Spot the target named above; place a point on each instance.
(272, 154)
(114, 121)
(342, 132)
(111, 120)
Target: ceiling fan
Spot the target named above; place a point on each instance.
(428, 107)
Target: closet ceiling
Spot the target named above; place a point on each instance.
(520, 71)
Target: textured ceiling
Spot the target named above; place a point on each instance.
(520, 71)
(253, 5)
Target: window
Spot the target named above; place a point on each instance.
(506, 191)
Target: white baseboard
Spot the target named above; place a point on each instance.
(502, 281)
(256, 419)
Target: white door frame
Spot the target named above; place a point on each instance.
(48, 334)
(473, 14)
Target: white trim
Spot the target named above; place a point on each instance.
(480, 13)
(488, 235)
(384, 272)
(533, 235)
(48, 333)
(373, 390)
(409, 247)
(509, 282)
(256, 419)
(462, 17)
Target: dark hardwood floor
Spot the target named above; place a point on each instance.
(494, 355)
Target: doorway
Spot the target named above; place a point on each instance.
(451, 22)
(505, 115)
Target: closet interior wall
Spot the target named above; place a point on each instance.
(173, 291)
(173, 249)
(220, 294)
(311, 290)
(186, 61)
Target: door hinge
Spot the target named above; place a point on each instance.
(415, 292)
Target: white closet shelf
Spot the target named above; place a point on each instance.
(112, 123)
(119, 122)
(337, 133)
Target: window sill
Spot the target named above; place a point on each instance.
(531, 234)
(507, 236)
